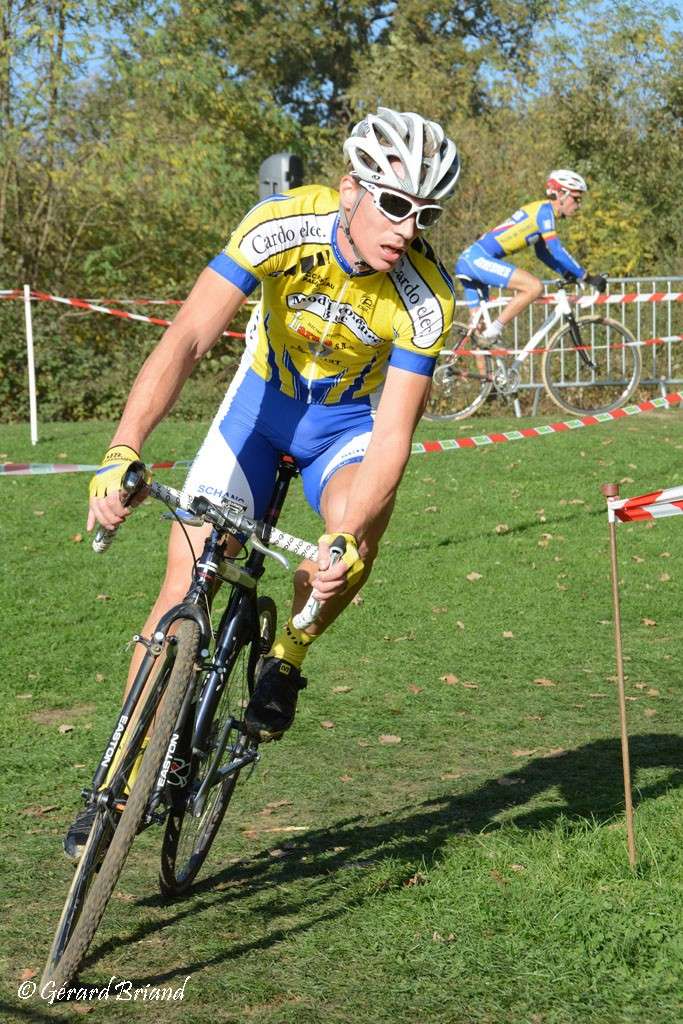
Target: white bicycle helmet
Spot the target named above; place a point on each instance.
(428, 161)
(565, 181)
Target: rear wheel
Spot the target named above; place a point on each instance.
(599, 375)
(462, 381)
(189, 836)
(111, 838)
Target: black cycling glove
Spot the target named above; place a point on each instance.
(597, 281)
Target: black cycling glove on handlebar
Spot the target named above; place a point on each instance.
(597, 281)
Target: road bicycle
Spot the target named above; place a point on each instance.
(590, 365)
(193, 685)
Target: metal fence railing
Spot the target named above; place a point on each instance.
(663, 319)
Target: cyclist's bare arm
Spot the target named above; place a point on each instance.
(376, 479)
(210, 307)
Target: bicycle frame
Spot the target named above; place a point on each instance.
(508, 375)
(239, 622)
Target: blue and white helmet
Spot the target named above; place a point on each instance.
(428, 164)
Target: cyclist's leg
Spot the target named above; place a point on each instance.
(341, 435)
(234, 461)
(327, 482)
(527, 288)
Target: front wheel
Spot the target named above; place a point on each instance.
(462, 381)
(189, 835)
(592, 366)
(110, 838)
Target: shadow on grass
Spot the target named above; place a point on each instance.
(589, 779)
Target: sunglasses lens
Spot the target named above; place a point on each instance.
(394, 205)
(428, 216)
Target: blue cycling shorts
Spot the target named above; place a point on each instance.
(255, 423)
(484, 270)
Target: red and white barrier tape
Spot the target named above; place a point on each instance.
(482, 440)
(511, 352)
(46, 468)
(122, 313)
(418, 447)
(655, 505)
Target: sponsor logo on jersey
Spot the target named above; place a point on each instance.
(284, 233)
(328, 310)
(421, 302)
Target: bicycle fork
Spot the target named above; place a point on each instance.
(578, 343)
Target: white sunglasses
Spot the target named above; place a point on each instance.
(398, 207)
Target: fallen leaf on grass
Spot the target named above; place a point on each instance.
(473, 576)
(450, 776)
(449, 679)
(327, 725)
(508, 634)
(37, 512)
(524, 753)
(341, 689)
(275, 805)
(417, 879)
(64, 728)
(357, 599)
(438, 611)
(27, 974)
(652, 692)
(38, 811)
(23, 696)
(471, 686)
(664, 578)
(498, 878)
(517, 867)
(102, 597)
(665, 554)
(649, 622)
(502, 528)
(346, 778)
(460, 625)
(431, 508)
(541, 681)
(415, 689)
(637, 558)
(387, 739)
(649, 712)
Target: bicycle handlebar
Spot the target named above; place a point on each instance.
(228, 517)
(309, 612)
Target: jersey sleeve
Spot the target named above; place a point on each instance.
(262, 244)
(550, 250)
(425, 316)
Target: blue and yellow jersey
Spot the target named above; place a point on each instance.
(533, 224)
(321, 333)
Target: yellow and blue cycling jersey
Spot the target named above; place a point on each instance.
(533, 224)
(321, 333)
(482, 265)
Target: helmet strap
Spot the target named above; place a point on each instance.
(359, 264)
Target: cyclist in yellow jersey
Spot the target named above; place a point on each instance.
(352, 296)
(483, 264)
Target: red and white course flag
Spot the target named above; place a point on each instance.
(655, 505)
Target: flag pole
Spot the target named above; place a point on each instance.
(612, 491)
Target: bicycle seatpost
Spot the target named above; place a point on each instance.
(131, 485)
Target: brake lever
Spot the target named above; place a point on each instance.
(260, 546)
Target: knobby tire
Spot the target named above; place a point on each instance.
(61, 970)
(184, 832)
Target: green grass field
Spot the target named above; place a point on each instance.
(441, 835)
